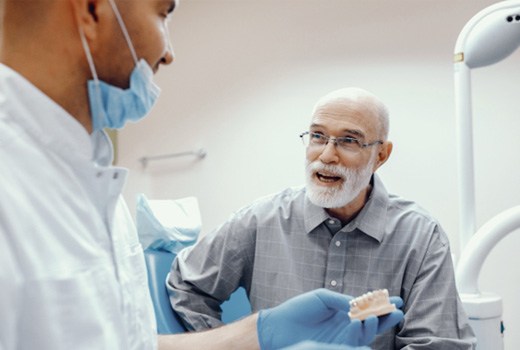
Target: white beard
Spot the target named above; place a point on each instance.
(354, 181)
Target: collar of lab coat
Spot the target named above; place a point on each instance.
(102, 148)
(23, 104)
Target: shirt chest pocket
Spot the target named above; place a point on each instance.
(73, 312)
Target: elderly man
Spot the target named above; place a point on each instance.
(72, 273)
(342, 231)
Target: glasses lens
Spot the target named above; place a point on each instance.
(348, 144)
(313, 139)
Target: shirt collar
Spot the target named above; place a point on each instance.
(370, 220)
(313, 214)
(102, 148)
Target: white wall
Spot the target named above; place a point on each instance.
(247, 74)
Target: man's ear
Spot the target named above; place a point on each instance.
(384, 153)
(86, 15)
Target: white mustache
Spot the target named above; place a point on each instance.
(335, 170)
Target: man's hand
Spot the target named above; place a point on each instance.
(322, 316)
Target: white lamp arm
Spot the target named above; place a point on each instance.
(479, 247)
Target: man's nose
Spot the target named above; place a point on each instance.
(329, 154)
(169, 56)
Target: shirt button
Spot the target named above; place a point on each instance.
(338, 243)
(332, 222)
(333, 283)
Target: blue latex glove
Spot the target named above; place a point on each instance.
(386, 322)
(320, 315)
(310, 345)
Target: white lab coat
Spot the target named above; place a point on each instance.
(72, 272)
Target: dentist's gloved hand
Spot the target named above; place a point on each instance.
(311, 345)
(386, 322)
(320, 315)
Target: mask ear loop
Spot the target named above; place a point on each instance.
(97, 87)
(88, 54)
(123, 29)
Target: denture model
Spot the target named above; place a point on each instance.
(375, 303)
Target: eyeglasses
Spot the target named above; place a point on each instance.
(350, 144)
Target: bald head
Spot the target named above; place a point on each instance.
(347, 100)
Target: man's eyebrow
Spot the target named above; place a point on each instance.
(354, 132)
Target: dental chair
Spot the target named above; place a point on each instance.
(158, 265)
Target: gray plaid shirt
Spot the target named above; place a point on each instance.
(283, 245)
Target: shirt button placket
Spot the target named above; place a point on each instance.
(335, 263)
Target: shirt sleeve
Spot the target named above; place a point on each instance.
(205, 275)
(434, 316)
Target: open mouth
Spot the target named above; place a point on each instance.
(328, 178)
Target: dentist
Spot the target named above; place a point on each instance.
(72, 272)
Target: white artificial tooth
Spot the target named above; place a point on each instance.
(372, 303)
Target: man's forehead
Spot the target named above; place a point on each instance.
(350, 121)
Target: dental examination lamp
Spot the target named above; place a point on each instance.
(489, 37)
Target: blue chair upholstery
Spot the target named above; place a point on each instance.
(158, 264)
(236, 307)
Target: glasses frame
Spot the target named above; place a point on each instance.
(335, 140)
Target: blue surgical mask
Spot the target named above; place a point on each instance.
(110, 106)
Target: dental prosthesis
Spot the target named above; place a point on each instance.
(375, 303)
